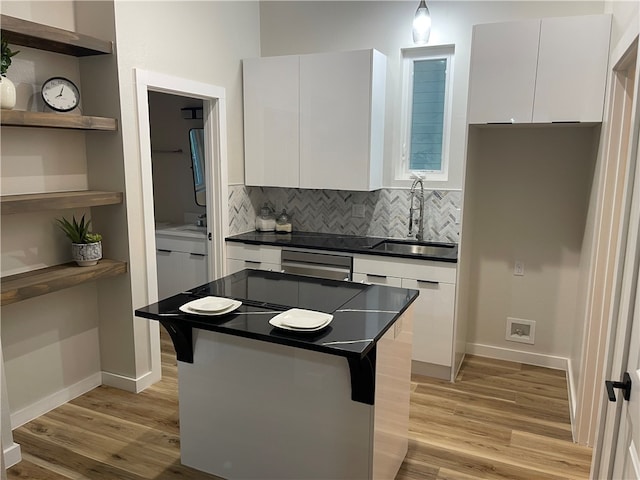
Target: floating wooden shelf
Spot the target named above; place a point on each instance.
(36, 202)
(22, 118)
(22, 286)
(52, 39)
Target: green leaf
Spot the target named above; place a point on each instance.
(77, 232)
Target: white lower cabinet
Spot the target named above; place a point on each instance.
(433, 329)
(434, 321)
(181, 263)
(258, 257)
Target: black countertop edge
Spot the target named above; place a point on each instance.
(342, 244)
(362, 313)
(287, 340)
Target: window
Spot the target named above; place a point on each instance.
(426, 112)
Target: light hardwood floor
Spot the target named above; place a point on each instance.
(499, 420)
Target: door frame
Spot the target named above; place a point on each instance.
(628, 254)
(215, 143)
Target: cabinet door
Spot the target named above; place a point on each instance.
(503, 72)
(572, 69)
(271, 121)
(336, 121)
(179, 271)
(433, 322)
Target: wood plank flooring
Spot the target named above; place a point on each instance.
(500, 420)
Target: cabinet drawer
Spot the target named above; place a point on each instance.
(234, 265)
(405, 268)
(377, 279)
(176, 244)
(253, 253)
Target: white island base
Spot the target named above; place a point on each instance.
(253, 409)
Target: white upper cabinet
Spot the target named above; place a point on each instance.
(271, 121)
(572, 69)
(503, 72)
(315, 121)
(539, 71)
(342, 120)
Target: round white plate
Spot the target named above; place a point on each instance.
(299, 320)
(186, 308)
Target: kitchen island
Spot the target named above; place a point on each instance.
(257, 401)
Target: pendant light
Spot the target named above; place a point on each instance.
(421, 24)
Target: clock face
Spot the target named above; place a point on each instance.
(60, 94)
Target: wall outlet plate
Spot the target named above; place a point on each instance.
(521, 330)
(357, 210)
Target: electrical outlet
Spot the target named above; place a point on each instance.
(518, 268)
(456, 216)
(357, 210)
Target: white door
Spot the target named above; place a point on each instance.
(627, 457)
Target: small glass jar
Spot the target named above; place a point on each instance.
(265, 222)
(283, 223)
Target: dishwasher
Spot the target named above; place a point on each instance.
(335, 267)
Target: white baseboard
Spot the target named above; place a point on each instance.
(499, 353)
(54, 400)
(133, 385)
(12, 455)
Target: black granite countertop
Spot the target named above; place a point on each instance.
(361, 313)
(338, 243)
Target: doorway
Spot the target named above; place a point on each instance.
(215, 161)
(179, 192)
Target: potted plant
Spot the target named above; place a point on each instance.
(7, 88)
(86, 246)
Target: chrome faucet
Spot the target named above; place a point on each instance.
(420, 197)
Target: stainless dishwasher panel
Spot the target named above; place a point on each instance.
(335, 267)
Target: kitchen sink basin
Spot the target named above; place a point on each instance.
(427, 249)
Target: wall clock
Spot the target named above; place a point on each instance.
(60, 94)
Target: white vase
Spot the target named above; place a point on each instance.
(86, 254)
(7, 93)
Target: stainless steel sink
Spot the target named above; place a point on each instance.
(428, 249)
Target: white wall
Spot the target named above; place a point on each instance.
(316, 26)
(42, 338)
(200, 41)
(530, 196)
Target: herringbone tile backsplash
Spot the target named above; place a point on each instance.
(330, 211)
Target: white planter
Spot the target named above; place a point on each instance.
(86, 254)
(7, 93)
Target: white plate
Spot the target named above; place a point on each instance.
(299, 320)
(186, 308)
(210, 304)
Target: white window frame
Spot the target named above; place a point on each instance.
(408, 57)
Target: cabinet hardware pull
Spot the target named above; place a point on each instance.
(164, 250)
(198, 254)
(252, 262)
(430, 282)
(375, 275)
